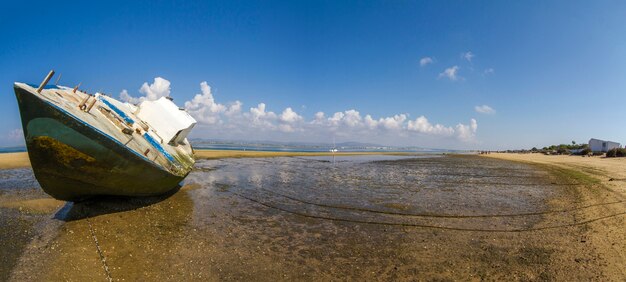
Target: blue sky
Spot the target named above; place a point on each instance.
(551, 72)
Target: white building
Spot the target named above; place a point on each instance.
(596, 145)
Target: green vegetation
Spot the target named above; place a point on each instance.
(565, 146)
(617, 152)
(564, 149)
(577, 149)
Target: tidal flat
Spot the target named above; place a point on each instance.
(428, 217)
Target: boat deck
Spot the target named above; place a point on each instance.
(115, 120)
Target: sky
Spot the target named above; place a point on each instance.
(436, 74)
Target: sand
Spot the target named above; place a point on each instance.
(19, 160)
(34, 206)
(608, 181)
(14, 160)
(609, 171)
(235, 239)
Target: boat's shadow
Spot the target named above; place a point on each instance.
(106, 205)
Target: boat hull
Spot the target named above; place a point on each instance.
(73, 161)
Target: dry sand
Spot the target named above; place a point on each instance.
(610, 171)
(14, 160)
(607, 237)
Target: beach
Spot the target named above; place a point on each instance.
(14, 160)
(601, 168)
(308, 216)
(609, 236)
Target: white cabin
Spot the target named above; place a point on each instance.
(597, 145)
(170, 123)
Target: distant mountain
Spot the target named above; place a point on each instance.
(12, 149)
(358, 144)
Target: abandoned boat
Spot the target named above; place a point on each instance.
(82, 145)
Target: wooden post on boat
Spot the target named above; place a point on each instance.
(93, 102)
(82, 105)
(76, 87)
(45, 81)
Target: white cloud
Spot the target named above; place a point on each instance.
(204, 108)
(259, 116)
(425, 61)
(336, 119)
(467, 133)
(370, 123)
(16, 134)
(461, 131)
(320, 117)
(229, 120)
(489, 71)
(124, 96)
(450, 73)
(159, 88)
(352, 118)
(290, 121)
(468, 56)
(395, 122)
(352, 122)
(234, 108)
(484, 109)
(12, 137)
(422, 125)
(290, 116)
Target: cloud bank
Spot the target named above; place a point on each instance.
(259, 121)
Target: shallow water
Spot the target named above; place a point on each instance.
(298, 218)
(428, 185)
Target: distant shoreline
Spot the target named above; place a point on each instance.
(10, 160)
(14, 160)
(219, 154)
(294, 149)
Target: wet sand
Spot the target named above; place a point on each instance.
(309, 218)
(20, 159)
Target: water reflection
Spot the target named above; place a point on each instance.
(425, 184)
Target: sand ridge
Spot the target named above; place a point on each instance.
(20, 159)
(14, 160)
